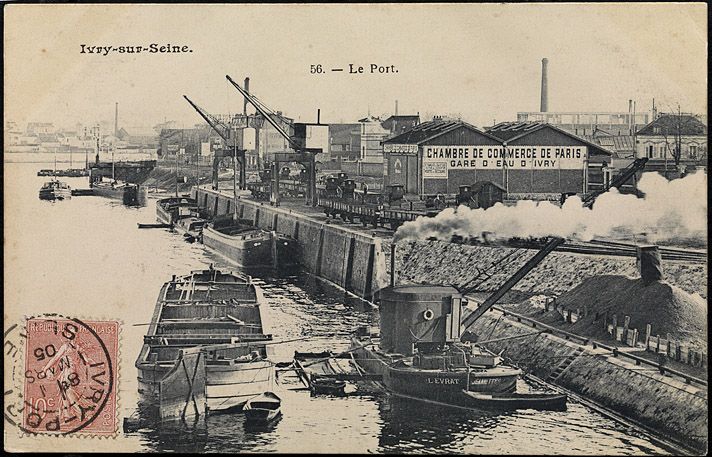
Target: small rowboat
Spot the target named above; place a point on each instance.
(263, 408)
(508, 401)
(327, 386)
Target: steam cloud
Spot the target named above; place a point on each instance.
(669, 210)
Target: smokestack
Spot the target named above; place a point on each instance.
(244, 103)
(396, 113)
(649, 263)
(544, 89)
(318, 116)
(654, 111)
(116, 120)
(393, 264)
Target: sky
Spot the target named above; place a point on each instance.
(482, 61)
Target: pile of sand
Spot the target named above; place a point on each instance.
(667, 308)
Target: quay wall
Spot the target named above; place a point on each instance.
(666, 405)
(347, 258)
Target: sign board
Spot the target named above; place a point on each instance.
(205, 149)
(249, 138)
(437, 160)
(400, 148)
(292, 157)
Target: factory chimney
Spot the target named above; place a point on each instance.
(244, 103)
(544, 89)
(116, 120)
(396, 113)
(649, 263)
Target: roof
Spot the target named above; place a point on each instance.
(510, 131)
(480, 184)
(670, 124)
(428, 130)
(622, 146)
(370, 118)
(406, 117)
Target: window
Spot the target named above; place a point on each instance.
(693, 151)
(649, 151)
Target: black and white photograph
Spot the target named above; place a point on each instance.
(368, 228)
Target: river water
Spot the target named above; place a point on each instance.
(87, 255)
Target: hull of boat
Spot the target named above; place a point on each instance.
(251, 251)
(163, 216)
(128, 195)
(439, 385)
(225, 387)
(206, 347)
(55, 194)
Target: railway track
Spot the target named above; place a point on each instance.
(601, 247)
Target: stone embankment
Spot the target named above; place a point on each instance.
(438, 262)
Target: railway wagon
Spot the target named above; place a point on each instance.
(370, 213)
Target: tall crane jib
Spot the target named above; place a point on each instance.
(229, 137)
(301, 155)
(549, 247)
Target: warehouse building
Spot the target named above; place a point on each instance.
(529, 160)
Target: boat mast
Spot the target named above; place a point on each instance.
(234, 176)
(176, 161)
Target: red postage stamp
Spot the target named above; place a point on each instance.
(70, 377)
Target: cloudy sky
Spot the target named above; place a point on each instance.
(482, 61)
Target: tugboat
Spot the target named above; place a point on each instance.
(55, 190)
(418, 352)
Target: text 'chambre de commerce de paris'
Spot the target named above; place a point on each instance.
(513, 156)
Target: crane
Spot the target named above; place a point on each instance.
(302, 155)
(228, 135)
(550, 246)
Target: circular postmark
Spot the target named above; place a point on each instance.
(67, 377)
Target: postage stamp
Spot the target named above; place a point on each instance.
(70, 376)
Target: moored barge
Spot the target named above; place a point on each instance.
(206, 348)
(250, 247)
(169, 210)
(129, 194)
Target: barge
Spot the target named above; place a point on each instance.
(130, 194)
(169, 210)
(250, 247)
(206, 348)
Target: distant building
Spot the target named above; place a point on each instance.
(659, 139)
(399, 124)
(586, 123)
(529, 160)
(622, 146)
(35, 128)
(344, 144)
(372, 134)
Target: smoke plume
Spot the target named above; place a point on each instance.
(669, 210)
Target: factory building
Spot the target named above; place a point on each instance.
(529, 160)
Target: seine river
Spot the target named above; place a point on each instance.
(86, 254)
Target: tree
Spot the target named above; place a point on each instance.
(673, 128)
